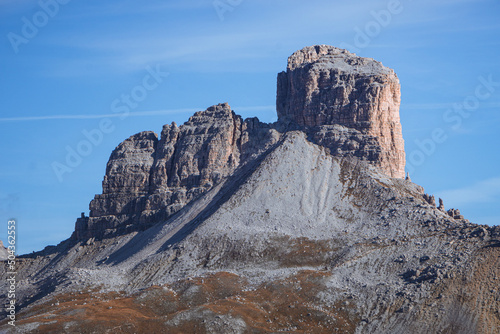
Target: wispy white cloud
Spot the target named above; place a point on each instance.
(470, 29)
(120, 8)
(200, 52)
(90, 116)
(481, 192)
(130, 114)
(253, 36)
(209, 45)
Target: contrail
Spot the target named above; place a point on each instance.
(130, 114)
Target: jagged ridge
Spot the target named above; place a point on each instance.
(348, 104)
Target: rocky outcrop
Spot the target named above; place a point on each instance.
(430, 199)
(441, 205)
(147, 180)
(325, 86)
(280, 231)
(345, 103)
(455, 214)
(127, 176)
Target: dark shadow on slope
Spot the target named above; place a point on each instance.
(140, 240)
(44, 287)
(229, 187)
(49, 250)
(493, 244)
(61, 250)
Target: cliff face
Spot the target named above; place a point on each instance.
(345, 103)
(147, 180)
(326, 86)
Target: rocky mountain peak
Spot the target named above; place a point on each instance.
(225, 225)
(330, 56)
(345, 103)
(325, 86)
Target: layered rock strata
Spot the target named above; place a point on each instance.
(149, 179)
(325, 86)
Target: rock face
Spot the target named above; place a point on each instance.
(345, 103)
(147, 180)
(326, 86)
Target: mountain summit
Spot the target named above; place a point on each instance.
(345, 103)
(325, 86)
(225, 225)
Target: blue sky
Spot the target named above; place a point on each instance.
(67, 70)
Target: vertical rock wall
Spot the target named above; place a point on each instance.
(147, 180)
(324, 85)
